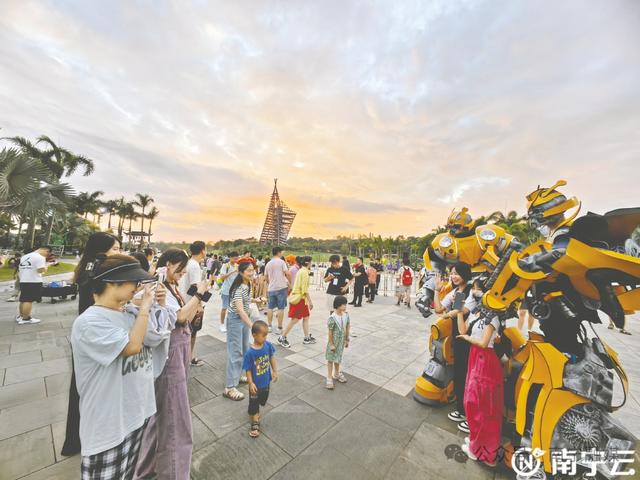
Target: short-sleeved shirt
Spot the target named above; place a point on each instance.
(116, 393)
(226, 285)
(477, 330)
(275, 270)
(241, 293)
(372, 273)
(192, 276)
(28, 268)
(341, 277)
(259, 362)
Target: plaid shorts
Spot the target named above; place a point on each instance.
(118, 462)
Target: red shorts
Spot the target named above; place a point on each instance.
(299, 310)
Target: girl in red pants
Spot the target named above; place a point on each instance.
(483, 393)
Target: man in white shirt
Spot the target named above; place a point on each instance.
(30, 271)
(279, 280)
(405, 277)
(193, 276)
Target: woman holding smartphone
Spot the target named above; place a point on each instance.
(168, 439)
(454, 302)
(99, 243)
(114, 371)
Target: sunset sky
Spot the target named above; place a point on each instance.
(376, 116)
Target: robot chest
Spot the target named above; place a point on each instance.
(464, 250)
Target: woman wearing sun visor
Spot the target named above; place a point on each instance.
(114, 367)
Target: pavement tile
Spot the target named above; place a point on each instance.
(335, 403)
(222, 415)
(202, 435)
(57, 384)
(4, 349)
(322, 464)
(398, 412)
(294, 425)
(403, 468)
(427, 451)
(59, 432)
(19, 359)
(367, 441)
(64, 470)
(19, 393)
(286, 388)
(31, 415)
(213, 379)
(26, 453)
(51, 353)
(37, 370)
(198, 393)
(237, 456)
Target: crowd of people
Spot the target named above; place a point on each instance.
(134, 341)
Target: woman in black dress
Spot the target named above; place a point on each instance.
(98, 243)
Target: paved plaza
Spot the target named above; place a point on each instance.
(369, 428)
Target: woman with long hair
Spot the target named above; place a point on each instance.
(460, 276)
(238, 328)
(168, 441)
(99, 243)
(114, 370)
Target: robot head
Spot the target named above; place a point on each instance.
(459, 222)
(546, 208)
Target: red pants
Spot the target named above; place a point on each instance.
(483, 401)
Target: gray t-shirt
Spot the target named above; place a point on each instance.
(226, 285)
(275, 270)
(116, 393)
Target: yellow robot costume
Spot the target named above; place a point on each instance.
(481, 248)
(563, 393)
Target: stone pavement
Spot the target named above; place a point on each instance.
(368, 428)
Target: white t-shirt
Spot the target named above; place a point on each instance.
(193, 274)
(477, 331)
(275, 270)
(116, 393)
(29, 265)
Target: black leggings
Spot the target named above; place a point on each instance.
(460, 366)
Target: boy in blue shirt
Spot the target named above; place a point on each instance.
(261, 368)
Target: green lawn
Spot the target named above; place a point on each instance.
(6, 273)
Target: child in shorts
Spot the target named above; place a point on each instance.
(261, 368)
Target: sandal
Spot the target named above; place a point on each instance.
(254, 431)
(196, 362)
(233, 394)
(330, 385)
(611, 326)
(243, 380)
(340, 378)
(625, 332)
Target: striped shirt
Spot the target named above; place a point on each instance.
(242, 293)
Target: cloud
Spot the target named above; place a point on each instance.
(373, 116)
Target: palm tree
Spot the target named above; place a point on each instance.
(143, 201)
(110, 206)
(152, 215)
(121, 211)
(86, 203)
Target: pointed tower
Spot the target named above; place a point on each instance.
(279, 220)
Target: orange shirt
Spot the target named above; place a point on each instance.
(372, 273)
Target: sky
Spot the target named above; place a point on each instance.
(375, 116)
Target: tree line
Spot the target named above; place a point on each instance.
(38, 205)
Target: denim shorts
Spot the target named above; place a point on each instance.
(278, 299)
(225, 300)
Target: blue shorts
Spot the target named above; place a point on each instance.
(278, 299)
(225, 300)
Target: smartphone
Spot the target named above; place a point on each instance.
(458, 301)
(161, 273)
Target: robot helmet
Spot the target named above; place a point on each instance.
(459, 222)
(547, 207)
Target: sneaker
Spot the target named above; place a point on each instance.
(270, 329)
(18, 318)
(465, 449)
(464, 427)
(283, 342)
(12, 298)
(279, 332)
(467, 440)
(308, 340)
(223, 327)
(456, 416)
(27, 321)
